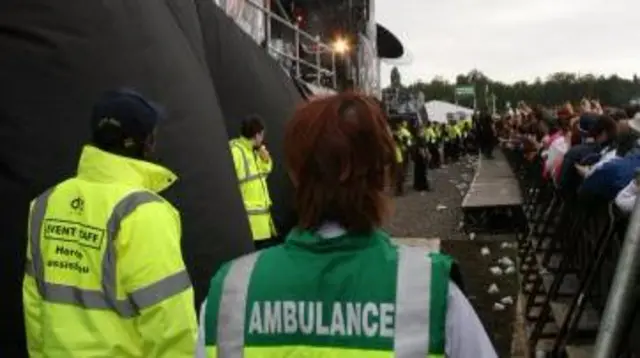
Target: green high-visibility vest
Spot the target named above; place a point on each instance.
(352, 296)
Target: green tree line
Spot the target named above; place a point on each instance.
(555, 89)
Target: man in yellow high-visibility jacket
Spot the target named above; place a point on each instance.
(253, 164)
(104, 274)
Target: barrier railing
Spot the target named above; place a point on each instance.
(569, 255)
(299, 37)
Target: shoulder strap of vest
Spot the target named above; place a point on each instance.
(245, 161)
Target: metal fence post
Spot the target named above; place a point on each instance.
(296, 41)
(333, 69)
(318, 47)
(267, 27)
(622, 298)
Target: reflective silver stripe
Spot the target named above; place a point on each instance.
(160, 290)
(247, 178)
(124, 208)
(413, 302)
(412, 305)
(258, 211)
(37, 217)
(252, 177)
(245, 163)
(233, 302)
(106, 298)
(28, 269)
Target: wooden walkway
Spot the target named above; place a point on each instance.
(431, 244)
(493, 186)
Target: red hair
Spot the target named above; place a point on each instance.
(339, 153)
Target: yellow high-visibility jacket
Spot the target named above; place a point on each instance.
(406, 136)
(429, 134)
(452, 132)
(252, 174)
(104, 274)
(399, 156)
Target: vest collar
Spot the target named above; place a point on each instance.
(100, 166)
(244, 143)
(332, 237)
(330, 230)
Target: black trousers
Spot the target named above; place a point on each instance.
(420, 179)
(435, 161)
(450, 151)
(400, 176)
(487, 144)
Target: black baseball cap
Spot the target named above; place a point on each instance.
(127, 110)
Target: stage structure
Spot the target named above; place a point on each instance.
(334, 44)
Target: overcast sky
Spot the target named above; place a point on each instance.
(512, 40)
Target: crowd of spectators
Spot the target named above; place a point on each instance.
(592, 149)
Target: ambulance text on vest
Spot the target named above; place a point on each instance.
(347, 318)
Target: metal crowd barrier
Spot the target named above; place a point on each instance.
(569, 254)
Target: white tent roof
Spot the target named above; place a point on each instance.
(437, 110)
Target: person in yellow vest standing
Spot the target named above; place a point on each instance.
(253, 164)
(399, 159)
(104, 274)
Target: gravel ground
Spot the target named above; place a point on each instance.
(437, 214)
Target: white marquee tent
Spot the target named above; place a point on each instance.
(438, 110)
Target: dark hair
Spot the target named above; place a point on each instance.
(618, 114)
(631, 110)
(251, 126)
(625, 141)
(340, 154)
(603, 124)
(113, 140)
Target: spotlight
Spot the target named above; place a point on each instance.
(340, 46)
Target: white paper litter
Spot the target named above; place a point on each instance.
(507, 245)
(493, 289)
(505, 261)
(495, 270)
(472, 236)
(485, 251)
(498, 307)
(508, 300)
(509, 270)
(441, 207)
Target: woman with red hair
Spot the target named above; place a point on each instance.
(339, 287)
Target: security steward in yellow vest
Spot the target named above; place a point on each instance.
(452, 141)
(431, 135)
(406, 140)
(421, 157)
(403, 141)
(253, 164)
(104, 274)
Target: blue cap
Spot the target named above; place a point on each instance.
(586, 122)
(130, 111)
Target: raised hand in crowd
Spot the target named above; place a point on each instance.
(585, 106)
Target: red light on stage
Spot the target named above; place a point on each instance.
(299, 14)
